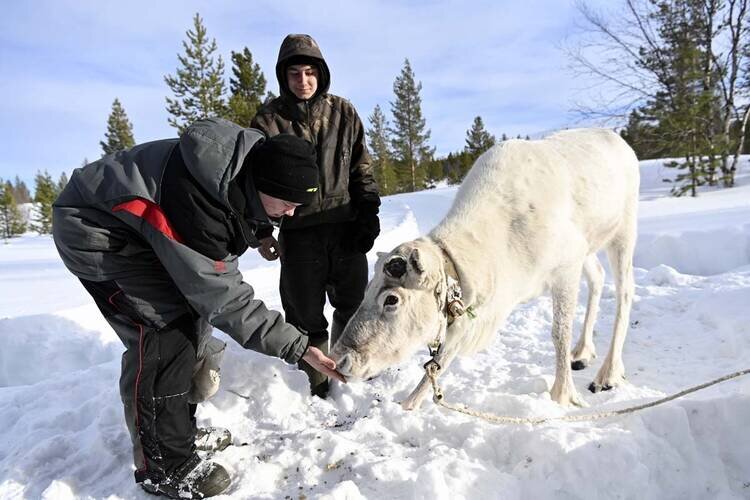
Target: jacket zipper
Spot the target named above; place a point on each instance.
(308, 123)
(313, 136)
(236, 223)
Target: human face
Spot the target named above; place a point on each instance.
(276, 207)
(302, 80)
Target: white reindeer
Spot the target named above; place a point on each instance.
(529, 217)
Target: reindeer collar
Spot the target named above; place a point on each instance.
(452, 305)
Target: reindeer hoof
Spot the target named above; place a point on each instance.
(579, 364)
(408, 405)
(596, 387)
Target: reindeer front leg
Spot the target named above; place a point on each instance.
(447, 354)
(564, 299)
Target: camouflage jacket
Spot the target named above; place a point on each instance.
(330, 123)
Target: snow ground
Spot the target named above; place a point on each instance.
(62, 433)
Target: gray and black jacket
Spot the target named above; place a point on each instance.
(331, 123)
(183, 209)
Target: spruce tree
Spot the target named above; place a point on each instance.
(21, 192)
(119, 134)
(380, 154)
(198, 85)
(247, 87)
(45, 193)
(11, 221)
(478, 140)
(409, 135)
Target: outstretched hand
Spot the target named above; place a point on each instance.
(269, 248)
(322, 363)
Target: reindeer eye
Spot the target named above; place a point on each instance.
(391, 300)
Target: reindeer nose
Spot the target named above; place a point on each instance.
(344, 365)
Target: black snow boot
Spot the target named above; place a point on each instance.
(195, 479)
(212, 439)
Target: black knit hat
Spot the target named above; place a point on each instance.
(284, 166)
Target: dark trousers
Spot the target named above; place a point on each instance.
(317, 262)
(155, 380)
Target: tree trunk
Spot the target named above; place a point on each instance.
(708, 68)
(693, 178)
(413, 175)
(729, 176)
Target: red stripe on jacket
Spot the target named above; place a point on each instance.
(151, 213)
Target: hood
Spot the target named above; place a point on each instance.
(213, 150)
(301, 45)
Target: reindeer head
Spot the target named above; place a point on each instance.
(401, 312)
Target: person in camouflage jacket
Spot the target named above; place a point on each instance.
(323, 246)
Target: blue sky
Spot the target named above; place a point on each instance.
(63, 62)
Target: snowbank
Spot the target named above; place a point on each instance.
(62, 434)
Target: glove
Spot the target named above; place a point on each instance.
(365, 228)
(368, 229)
(269, 248)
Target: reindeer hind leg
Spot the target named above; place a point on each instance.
(620, 253)
(585, 350)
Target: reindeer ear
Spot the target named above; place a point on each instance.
(396, 267)
(414, 261)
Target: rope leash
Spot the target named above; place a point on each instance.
(433, 368)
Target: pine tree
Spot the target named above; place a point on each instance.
(45, 193)
(21, 192)
(503, 137)
(735, 72)
(679, 63)
(119, 134)
(62, 182)
(409, 136)
(380, 154)
(456, 165)
(198, 85)
(452, 168)
(247, 87)
(682, 118)
(685, 106)
(435, 171)
(11, 220)
(478, 140)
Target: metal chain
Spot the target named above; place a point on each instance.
(433, 368)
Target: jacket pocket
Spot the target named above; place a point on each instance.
(206, 372)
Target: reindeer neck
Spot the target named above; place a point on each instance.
(486, 265)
